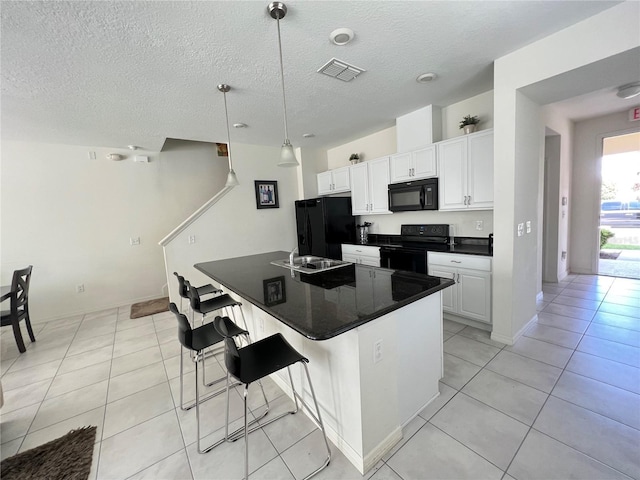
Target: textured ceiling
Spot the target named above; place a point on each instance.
(114, 73)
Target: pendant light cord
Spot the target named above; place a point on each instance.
(284, 101)
(226, 114)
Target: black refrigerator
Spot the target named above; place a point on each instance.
(323, 225)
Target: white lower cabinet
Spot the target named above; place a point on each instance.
(363, 254)
(470, 297)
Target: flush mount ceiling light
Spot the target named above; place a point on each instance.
(341, 36)
(239, 125)
(426, 77)
(278, 10)
(629, 91)
(341, 70)
(232, 180)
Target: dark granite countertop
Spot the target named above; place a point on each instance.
(320, 305)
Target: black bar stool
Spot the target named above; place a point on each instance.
(202, 290)
(204, 307)
(197, 340)
(256, 361)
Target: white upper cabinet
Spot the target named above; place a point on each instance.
(413, 165)
(465, 166)
(334, 181)
(369, 187)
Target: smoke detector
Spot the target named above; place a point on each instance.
(629, 91)
(341, 36)
(426, 77)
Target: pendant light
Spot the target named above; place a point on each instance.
(278, 10)
(232, 180)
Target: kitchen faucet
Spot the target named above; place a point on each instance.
(291, 256)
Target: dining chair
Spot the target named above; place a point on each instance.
(19, 306)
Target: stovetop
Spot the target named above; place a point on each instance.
(432, 238)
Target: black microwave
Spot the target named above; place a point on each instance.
(416, 195)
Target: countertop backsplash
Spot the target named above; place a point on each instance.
(464, 223)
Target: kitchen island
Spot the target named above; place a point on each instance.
(373, 337)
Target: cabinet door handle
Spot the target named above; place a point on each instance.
(456, 261)
(469, 201)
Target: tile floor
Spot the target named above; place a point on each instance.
(563, 402)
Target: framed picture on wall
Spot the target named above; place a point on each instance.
(274, 291)
(266, 194)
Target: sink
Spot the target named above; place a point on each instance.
(311, 264)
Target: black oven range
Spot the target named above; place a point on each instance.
(409, 251)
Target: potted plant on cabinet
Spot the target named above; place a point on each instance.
(469, 123)
(354, 158)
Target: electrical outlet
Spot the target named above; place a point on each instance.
(80, 288)
(528, 226)
(564, 255)
(192, 239)
(479, 225)
(377, 351)
(520, 229)
(134, 241)
(261, 324)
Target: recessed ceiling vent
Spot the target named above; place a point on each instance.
(341, 70)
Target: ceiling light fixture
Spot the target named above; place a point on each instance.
(341, 36)
(232, 180)
(278, 10)
(629, 91)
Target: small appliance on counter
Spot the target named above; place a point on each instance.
(363, 232)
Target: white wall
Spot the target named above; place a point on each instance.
(480, 105)
(586, 180)
(546, 59)
(234, 227)
(372, 146)
(551, 206)
(562, 145)
(72, 218)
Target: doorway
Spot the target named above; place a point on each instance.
(620, 207)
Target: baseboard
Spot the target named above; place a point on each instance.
(381, 450)
(511, 340)
(467, 321)
(363, 464)
(94, 309)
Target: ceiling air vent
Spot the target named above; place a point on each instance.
(341, 70)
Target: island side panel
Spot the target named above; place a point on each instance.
(420, 357)
(378, 385)
(335, 373)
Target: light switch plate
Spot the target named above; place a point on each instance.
(520, 229)
(528, 226)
